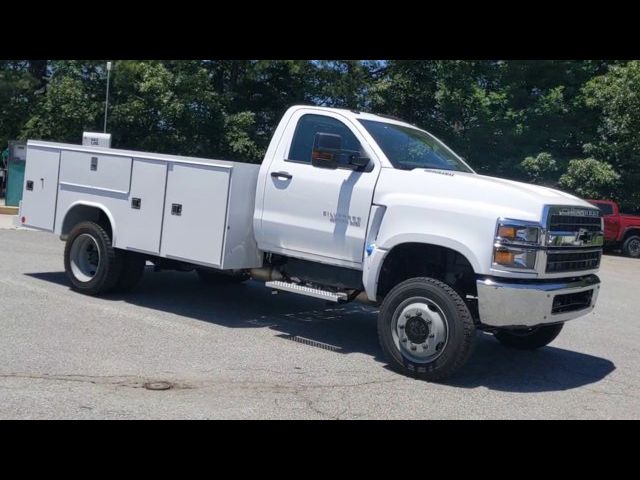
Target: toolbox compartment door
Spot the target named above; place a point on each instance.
(195, 213)
(38, 206)
(95, 171)
(142, 216)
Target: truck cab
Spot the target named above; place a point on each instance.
(346, 205)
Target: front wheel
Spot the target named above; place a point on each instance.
(529, 338)
(425, 329)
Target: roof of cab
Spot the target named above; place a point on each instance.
(358, 115)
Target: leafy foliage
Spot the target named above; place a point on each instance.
(590, 178)
(518, 119)
(541, 168)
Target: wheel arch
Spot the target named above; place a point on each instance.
(443, 262)
(629, 231)
(82, 211)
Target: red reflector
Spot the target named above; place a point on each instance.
(23, 219)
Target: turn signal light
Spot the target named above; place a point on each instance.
(507, 232)
(504, 257)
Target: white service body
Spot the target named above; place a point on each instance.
(213, 227)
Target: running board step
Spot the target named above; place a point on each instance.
(308, 291)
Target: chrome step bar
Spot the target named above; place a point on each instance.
(308, 291)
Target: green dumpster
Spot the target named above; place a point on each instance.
(15, 173)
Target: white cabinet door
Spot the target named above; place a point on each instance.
(142, 219)
(40, 187)
(109, 173)
(195, 213)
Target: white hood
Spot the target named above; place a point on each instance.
(466, 192)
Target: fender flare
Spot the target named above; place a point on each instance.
(372, 264)
(99, 206)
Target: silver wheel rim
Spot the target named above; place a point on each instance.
(420, 331)
(84, 257)
(634, 247)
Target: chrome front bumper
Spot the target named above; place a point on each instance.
(503, 303)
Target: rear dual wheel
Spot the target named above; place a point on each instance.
(94, 266)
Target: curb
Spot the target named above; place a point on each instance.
(8, 210)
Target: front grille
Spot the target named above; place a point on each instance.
(558, 261)
(569, 219)
(570, 302)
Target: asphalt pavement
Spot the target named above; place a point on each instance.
(175, 348)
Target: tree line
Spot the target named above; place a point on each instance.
(572, 125)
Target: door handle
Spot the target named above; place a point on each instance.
(286, 175)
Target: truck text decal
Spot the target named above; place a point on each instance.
(335, 217)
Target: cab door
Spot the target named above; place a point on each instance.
(317, 213)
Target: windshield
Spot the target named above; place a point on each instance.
(408, 148)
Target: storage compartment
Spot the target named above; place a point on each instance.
(38, 205)
(82, 170)
(195, 212)
(142, 217)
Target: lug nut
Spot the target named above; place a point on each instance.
(404, 340)
(432, 335)
(418, 313)
(413, 348)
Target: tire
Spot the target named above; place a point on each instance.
(132, 271)
(211, 277)
(403, 323)
(631, 246)
(91, 263)
(531, 339)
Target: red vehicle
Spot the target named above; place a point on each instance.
(620, 230)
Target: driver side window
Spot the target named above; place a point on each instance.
(308, 126)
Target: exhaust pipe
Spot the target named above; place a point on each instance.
(266, 274)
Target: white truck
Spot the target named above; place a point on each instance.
(345, 206)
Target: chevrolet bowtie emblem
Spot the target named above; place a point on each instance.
(583, 236)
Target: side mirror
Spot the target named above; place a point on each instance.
(326, 149)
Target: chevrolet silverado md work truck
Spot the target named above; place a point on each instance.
(345, 206)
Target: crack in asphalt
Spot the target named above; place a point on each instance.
(131, 381)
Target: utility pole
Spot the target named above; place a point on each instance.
(106, 103)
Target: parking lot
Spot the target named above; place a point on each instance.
(241, 352)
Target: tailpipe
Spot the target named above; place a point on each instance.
(266, 274)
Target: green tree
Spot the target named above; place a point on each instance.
(18, 94)
(540, 169)
(590, 178)
(615, 96)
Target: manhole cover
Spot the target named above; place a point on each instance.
(158, 385)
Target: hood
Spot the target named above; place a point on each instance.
(491, 196)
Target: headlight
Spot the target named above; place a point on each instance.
(512, 257)
(516, 244)
(518, 233)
